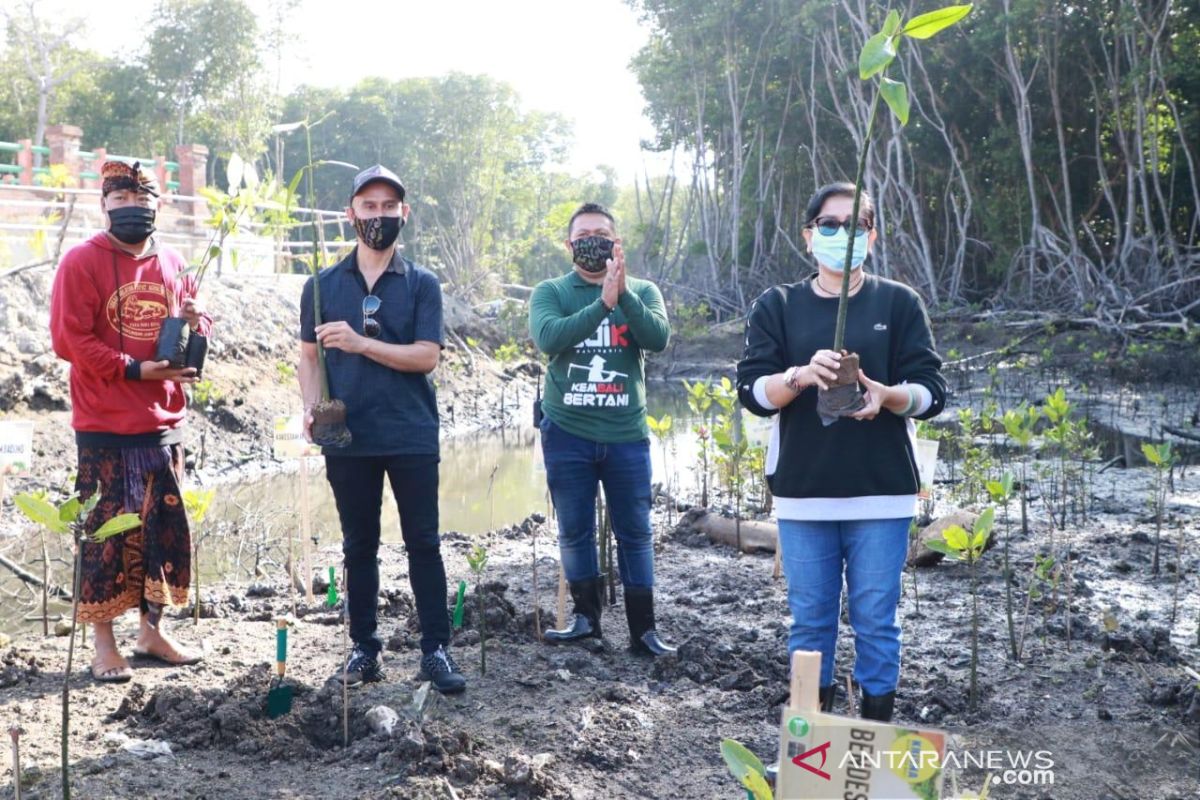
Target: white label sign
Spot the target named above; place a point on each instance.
(16, 448)
(290, 441)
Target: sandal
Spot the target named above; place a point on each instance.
(115, 674)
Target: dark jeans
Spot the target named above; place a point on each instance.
(575, 468)
(357, 483)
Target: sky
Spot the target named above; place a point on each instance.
(567, 56)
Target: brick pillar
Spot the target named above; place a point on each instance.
(100, 156)
(64, 143)
(25, 161)
(160, 172)
(193, 175)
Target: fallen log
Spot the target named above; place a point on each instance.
(757, 536)
(30, 578)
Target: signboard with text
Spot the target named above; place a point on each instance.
(16, 448)
(289, 439)
(827, 756)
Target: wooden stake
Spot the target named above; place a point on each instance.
(778, 559)
(806, 681)
(562, 598)
(345, 660)
(306, 530)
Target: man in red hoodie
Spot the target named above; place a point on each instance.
(110, 295)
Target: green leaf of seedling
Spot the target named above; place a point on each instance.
(40, 512)
(746, 768)
(332, 163)
(892, 23)
(69, 511)
(978, 541)
(1151, 453)
(90, 504)
(956, 537)
(118, 524)
(1006, 483)
(294, 183)
(896, 95)
(986, 520)
(996, 490)
(938, 546)
(876, 54)
(926, 25)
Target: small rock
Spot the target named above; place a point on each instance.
(517, 770)
(1104, 714)
(5, 640)
(260, 590)
(1141, 537)
(63, 628)
(382, 720)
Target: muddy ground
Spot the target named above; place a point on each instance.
(1115, 709)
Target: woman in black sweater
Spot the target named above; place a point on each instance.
(845, 492)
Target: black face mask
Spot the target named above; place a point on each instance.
(591, 252)
(131, 224)
(378, 233)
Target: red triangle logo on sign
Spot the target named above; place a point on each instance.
(823, 749)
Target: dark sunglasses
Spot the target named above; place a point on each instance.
(371, 328)
(828, 226)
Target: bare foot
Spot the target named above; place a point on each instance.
(152, 643)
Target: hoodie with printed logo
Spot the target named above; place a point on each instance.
(851, 469)
(596, 379)
(105, 310)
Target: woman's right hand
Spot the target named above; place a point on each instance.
(821, 370)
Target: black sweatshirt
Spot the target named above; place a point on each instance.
(812, 469)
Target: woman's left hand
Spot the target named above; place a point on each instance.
(875, 396)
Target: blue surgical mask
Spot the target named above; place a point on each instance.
(830, 251)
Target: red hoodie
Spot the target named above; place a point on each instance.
(85, 330)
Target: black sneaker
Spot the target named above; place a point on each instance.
(362, 667)
(439, 667)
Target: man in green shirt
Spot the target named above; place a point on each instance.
(595, 325)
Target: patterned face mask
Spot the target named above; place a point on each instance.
(378, 233)
(591, 253)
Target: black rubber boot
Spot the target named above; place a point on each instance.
(878, 707)
(639, 610)
(588, 596)
(826, 695)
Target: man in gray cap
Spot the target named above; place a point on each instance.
(382, 334)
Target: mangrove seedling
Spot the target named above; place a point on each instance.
(1001, 492)
(477, 561)
(747, 769)
(1019, 424)
(329, 414)
(699, 398)
(197, 504)
(72, 517)
(844, 397)
(969, 547)
(1162, 460)
(661, 428)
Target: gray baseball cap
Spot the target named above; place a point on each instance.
(377, 173)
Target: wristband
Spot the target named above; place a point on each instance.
(133, 370)
(791, 379)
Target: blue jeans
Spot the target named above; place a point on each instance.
(575, 467)
(873, 552)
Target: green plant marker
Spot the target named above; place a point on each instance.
(331, 595)
(458, 604)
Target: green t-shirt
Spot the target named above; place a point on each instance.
(596, 381)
